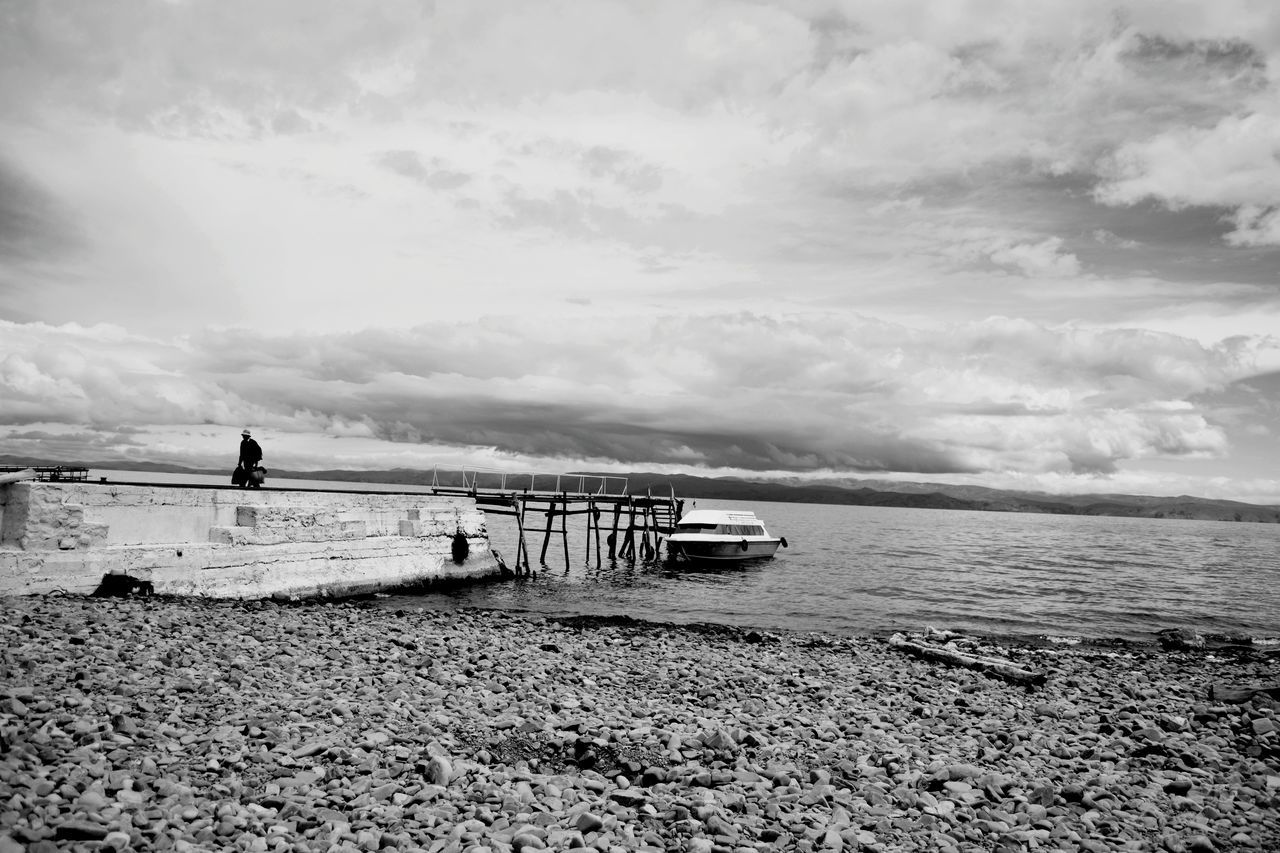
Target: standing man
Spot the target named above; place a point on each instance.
(250, 456)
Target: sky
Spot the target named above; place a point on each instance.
(1020, 245)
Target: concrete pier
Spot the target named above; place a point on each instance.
(233, 543)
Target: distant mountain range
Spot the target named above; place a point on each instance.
(847, 492)
(944, 496)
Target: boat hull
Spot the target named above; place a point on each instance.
(721, 551)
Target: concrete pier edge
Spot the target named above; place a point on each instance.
(233, 543)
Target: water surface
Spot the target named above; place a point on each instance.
(872, 570)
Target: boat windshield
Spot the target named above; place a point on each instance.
(725, 529)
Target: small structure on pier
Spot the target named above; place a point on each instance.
(640, 520)
(43, 473)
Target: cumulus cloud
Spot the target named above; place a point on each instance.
(734, 391)
(400, 142)
(1107, 238)
(1232, 164)
(1039, 259)
(1256, 225)
(103, 375)
(645, 234)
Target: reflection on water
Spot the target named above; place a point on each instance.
(872, 570)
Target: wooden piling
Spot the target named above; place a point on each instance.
(595, 522)
(646, 550)
(546, 537)
(564, 533)
(613, 536)
(516, 503)
(629, 538)
(593, 526)
(522, 547)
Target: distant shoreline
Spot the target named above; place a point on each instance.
(908, 495)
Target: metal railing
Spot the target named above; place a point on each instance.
(485, 479)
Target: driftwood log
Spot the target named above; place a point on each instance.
(1238, 694)
(993, 666)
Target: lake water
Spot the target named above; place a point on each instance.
(874, 570)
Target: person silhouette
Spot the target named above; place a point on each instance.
(250, 456)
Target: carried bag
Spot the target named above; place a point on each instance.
(238, 476)
(258, 475)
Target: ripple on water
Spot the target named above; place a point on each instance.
(870, 570)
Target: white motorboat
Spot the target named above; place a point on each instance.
(721, 535)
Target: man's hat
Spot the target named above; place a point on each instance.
(245, 433)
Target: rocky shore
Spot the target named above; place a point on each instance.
(157, 724)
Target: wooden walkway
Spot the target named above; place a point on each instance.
(641, 520)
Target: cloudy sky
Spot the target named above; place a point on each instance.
(1032, 245)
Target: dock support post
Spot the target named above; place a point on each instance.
(629, 538)
(546, 537)
(564, 532)
(646, 550)
(595, 522)
(522, 547)
(657, 527)
(613, 535)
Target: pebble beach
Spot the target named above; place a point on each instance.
(161, 724)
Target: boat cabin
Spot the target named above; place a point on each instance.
(716, 522)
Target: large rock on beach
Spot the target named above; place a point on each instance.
(1180, 638)
(157, 724)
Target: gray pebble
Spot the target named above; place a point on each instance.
(187, 725)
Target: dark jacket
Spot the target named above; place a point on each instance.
(250, 453)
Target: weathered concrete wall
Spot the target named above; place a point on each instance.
(232, 543)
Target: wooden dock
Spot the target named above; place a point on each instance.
(45, 473)
(620, 525)
(633, 525)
